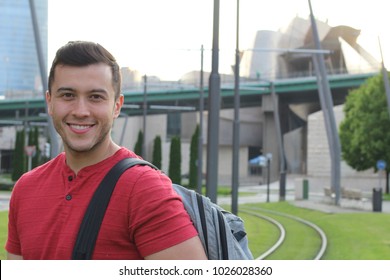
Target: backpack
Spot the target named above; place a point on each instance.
(222, 233)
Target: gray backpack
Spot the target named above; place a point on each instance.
(222, 233)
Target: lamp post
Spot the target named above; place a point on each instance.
(200, 137)
(279, 138)
(236, 122)
(214, 108)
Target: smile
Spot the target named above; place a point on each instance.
(80, 128)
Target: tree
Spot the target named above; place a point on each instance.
(19, 159)
(138, 144)
(33, 140)
(174, 170)
(157, 152)
(193, 173)
(364, 132)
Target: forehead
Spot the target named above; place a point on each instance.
(83, 76)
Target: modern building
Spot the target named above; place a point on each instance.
(19, 67)
(275, 56)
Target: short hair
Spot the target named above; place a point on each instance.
(84, 53)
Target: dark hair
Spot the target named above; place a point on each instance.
(83, 53)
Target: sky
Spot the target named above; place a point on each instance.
(163, 37)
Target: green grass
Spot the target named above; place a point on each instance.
(3, 233)
(307, 246)
(351, 236)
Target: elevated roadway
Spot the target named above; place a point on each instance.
(290, 91)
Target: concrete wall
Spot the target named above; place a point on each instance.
(318, 157)
(7, 136)
(250, 134)
(295, 150)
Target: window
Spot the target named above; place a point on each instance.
(174, 124)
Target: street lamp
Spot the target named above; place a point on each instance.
(200, 139)
(236, 122)
(214, 108)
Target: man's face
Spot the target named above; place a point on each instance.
(83, 107)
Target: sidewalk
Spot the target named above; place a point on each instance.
(4, 200)
(316, 199)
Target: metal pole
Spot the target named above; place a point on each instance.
(268, 176)
(236, 122)
(325, 111)
(200, 139)
(327, 108)
(214, 108)
(144, 118)
(42, 68)
(279, 138)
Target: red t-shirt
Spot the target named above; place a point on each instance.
(144, 215)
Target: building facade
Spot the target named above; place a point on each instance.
(19, 67)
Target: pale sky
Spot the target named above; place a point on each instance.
(163, 37)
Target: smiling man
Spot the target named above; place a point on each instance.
(145, 218)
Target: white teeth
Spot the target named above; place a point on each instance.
(79, 127)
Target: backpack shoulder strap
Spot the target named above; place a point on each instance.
(90, 226)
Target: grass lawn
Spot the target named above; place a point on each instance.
(351, 236)
(3, 233)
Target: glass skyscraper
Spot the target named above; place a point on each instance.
(19, 67)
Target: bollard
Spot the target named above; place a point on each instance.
(377, 200)
(305, 189)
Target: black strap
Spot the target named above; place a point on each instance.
(223, 237)
(90, 226)
(203, 222)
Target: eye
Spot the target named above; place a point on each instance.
(96, 97)
(68, 95)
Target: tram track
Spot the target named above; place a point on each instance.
(254, 211)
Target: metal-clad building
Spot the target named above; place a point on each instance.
(19, 68)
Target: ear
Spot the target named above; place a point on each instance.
(118, 105)
(48, 102)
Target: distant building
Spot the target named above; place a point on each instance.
(272, 59)
(281, 54)
(19, 68)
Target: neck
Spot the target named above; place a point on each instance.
(78, 160)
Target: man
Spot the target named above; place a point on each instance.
(145, 218)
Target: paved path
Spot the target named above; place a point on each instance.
(316, 199)
(4, 200)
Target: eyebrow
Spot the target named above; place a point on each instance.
(96, 90)
(65, 89)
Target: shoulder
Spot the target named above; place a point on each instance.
(143, 175)
(124, 152)
(51, 166)
(44, 172)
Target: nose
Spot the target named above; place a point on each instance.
(81, 108)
